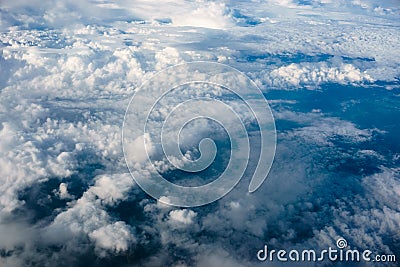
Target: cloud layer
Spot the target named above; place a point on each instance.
(68, 70)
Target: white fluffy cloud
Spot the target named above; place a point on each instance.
(63, 191)
(114, 237)
(69, 68)
(201, 13)
(182, 216)
(312, 75)
(87, 217)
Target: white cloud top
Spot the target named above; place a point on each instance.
(69, 68)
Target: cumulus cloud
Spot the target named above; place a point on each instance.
(368, 227)
(87, 218)
(114, 237)
(63, 191)
(111, 188)
(312, 75)
(69, 68)
(208, 14)
(182, 216)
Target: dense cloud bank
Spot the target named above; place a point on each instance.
(68, 69)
